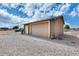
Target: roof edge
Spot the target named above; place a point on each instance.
(46, 20)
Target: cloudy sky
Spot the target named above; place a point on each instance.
(19, 13)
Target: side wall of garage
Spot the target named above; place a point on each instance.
(58, 27)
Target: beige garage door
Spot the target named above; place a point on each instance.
(40, 29)
(26, 29)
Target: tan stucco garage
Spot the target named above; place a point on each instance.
(49, 28)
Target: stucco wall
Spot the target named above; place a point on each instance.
(58, 27)
(30, 29)
(52, 29)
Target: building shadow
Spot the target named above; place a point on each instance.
(68, 40)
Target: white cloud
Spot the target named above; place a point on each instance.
(57, 11)
(5, 4)
(11, 18)
(65, 7)
(62, 9)
(44, 8)
(30, 8)
(75, 11)
(13, 5)
(36, 11)
(9, 25)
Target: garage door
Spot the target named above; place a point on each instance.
(26, 29)
(40, 29)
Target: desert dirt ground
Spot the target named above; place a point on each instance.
(14, 44)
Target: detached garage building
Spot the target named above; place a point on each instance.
(50, 28)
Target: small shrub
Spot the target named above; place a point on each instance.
(67, 26)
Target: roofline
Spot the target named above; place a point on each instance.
(49, 19)
(61, 17)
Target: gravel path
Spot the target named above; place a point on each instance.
(15, 44)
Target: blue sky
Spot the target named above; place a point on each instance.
(12, 14)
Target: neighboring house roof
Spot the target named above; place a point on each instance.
(50, 19)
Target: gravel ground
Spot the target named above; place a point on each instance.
(15, 44)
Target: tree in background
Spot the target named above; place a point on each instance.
(66, 26)
(15, 27)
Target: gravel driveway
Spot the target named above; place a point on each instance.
(15, 44)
